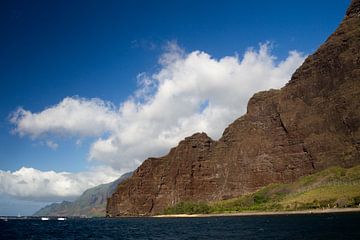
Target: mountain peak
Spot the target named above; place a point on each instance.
(354, 9)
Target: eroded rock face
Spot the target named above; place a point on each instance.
(310, 124)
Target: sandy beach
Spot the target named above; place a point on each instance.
(314, 211)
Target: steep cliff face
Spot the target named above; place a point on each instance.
(310, 124)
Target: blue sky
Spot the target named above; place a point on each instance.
(115, 50)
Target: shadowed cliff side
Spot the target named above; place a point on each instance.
(310, 124)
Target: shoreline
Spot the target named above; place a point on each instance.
(263, 213)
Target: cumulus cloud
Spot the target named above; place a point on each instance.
(72, 116)
(32, 184)
(191, 92)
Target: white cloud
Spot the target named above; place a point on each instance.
(51, 144)
(78, 142)
(190, 93)
(72, 116)
(33, 184)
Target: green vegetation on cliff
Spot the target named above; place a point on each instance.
(334, 187)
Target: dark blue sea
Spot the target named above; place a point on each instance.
(316, 226)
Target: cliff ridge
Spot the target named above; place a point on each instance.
(310, 124)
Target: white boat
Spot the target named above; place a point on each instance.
(61, 219)
(44, 219)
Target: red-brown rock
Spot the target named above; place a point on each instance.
(310, 124)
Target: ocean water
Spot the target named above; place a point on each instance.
(323, 226)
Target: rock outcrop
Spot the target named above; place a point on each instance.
(310, 124)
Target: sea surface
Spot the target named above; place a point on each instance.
(314, 226)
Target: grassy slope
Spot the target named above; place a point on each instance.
(333, 187)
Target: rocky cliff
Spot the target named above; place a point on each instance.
(310, 124)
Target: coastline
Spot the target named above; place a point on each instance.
(263, 213)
